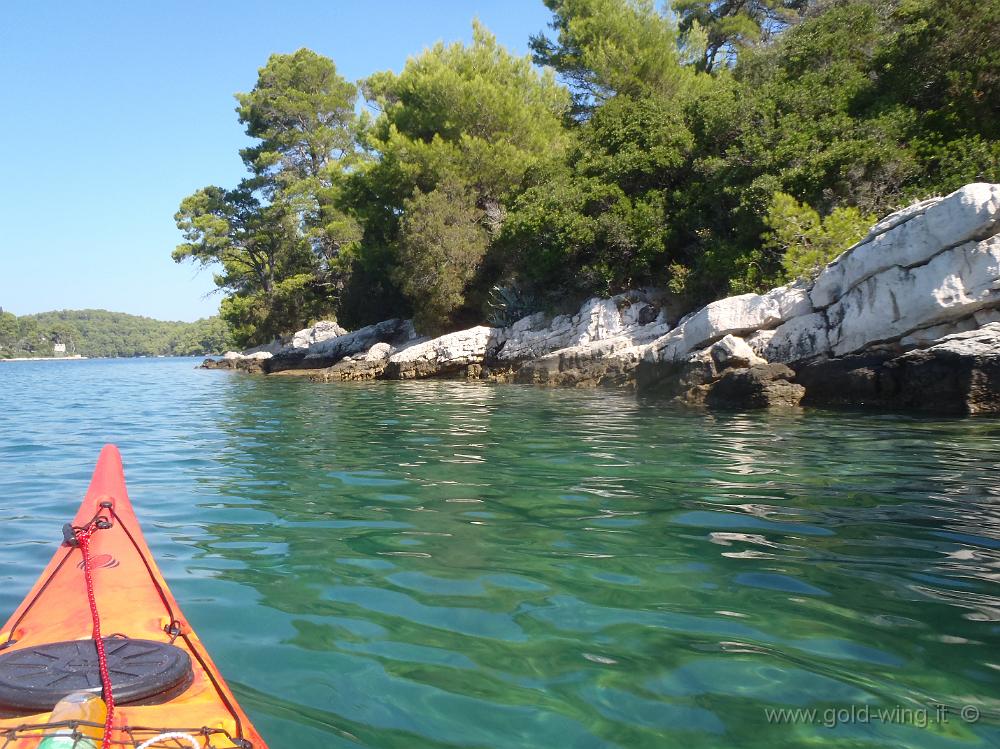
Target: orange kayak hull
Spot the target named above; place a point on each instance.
(132, 598)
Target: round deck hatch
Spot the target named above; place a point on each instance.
(34, 678)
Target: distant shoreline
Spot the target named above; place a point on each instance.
(47, 358)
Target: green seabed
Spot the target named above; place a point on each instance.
(437, 564)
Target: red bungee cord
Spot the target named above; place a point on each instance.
(83, 538)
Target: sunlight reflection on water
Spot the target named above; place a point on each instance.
(460, 564)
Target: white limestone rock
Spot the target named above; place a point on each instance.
(969, 213)
(731, 351)
(900, 217)
(367, 366)
(736, 315)
(236, 356)
(959, 374)
(954, 284)
(378, 352)
(800, 338)
(597, 320)
(358, 341)
(606, 361)
(321, 331)
(984, 342)
(746, 313)
(537, 321)
(444, 355)
(669, 347)
(925, 336)
(758, 341)
(535, 336)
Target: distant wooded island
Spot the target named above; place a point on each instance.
(100, 333)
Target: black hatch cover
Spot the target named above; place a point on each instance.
(34, 678)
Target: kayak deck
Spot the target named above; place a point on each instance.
(133, 600)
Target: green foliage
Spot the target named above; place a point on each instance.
(609, 47)
(579, 236)
(302, 111)
(640, 144)
(724, 27)
(458, 114)
(210, 335)
(552, 228)
(265, 263)
(807, 242)
(98, 333)
(943, 59)
(442, 243)
(474, 113)
(256, 316)
(715, 147)
(278, 238)
(9, 331)
(816, 114)
(253, 243)
(505, 305)
(602, 223)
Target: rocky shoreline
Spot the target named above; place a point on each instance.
(908, 318)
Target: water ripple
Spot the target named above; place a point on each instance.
(443, 564)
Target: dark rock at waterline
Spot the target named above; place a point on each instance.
(370, 366)
(217, 364)
(293, 360)
(759, 386)
(741, 389)
(672, 379)
(597, 364)
(846, 381)
(960, 373)
(245, 364)
(691, 380)
(957, 374)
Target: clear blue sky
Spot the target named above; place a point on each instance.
(114, 111)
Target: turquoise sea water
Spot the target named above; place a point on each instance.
(445, 564)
